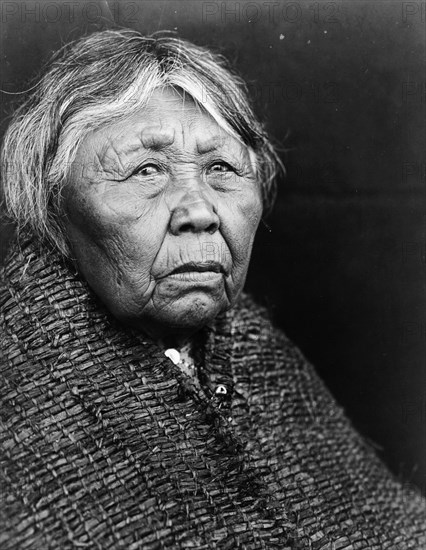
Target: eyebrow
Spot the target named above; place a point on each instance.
(158, 140)
(211, 144)
(147, 139)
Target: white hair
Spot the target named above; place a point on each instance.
(102, 78)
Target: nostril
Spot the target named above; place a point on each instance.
(212, 227)
(190, 227)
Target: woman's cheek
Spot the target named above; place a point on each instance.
(121, 206)
(238, 229)
(249, 210)
(131, 223)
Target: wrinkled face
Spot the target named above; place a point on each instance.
(161, 212)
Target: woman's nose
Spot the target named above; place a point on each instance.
(194, 213)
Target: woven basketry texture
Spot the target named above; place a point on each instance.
(106, 444)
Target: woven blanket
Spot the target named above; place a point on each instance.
(106, 444)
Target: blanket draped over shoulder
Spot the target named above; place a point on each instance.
(106, 444)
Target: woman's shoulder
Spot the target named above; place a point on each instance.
(253, 320)
(276, 380)
(253, 324)
(266, 357)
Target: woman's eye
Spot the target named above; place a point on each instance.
(147, 170)
(221, 167)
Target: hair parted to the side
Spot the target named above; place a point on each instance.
(101, 78)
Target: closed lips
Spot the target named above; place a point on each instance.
(200, 267)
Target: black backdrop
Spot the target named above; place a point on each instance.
(341, 87)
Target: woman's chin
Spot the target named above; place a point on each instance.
(185, 316)
(192, 311)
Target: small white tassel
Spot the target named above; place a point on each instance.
(173, 355)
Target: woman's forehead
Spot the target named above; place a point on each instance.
(162, 134)
(168, 120)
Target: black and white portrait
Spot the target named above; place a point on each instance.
(212, 289)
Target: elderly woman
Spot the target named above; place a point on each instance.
(146, 402)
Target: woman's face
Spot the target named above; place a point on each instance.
(161, 212)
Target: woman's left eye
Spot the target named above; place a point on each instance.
(147, 170)
(220, 167)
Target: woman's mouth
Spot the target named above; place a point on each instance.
(197, 272)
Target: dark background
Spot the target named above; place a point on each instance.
(341, 86)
